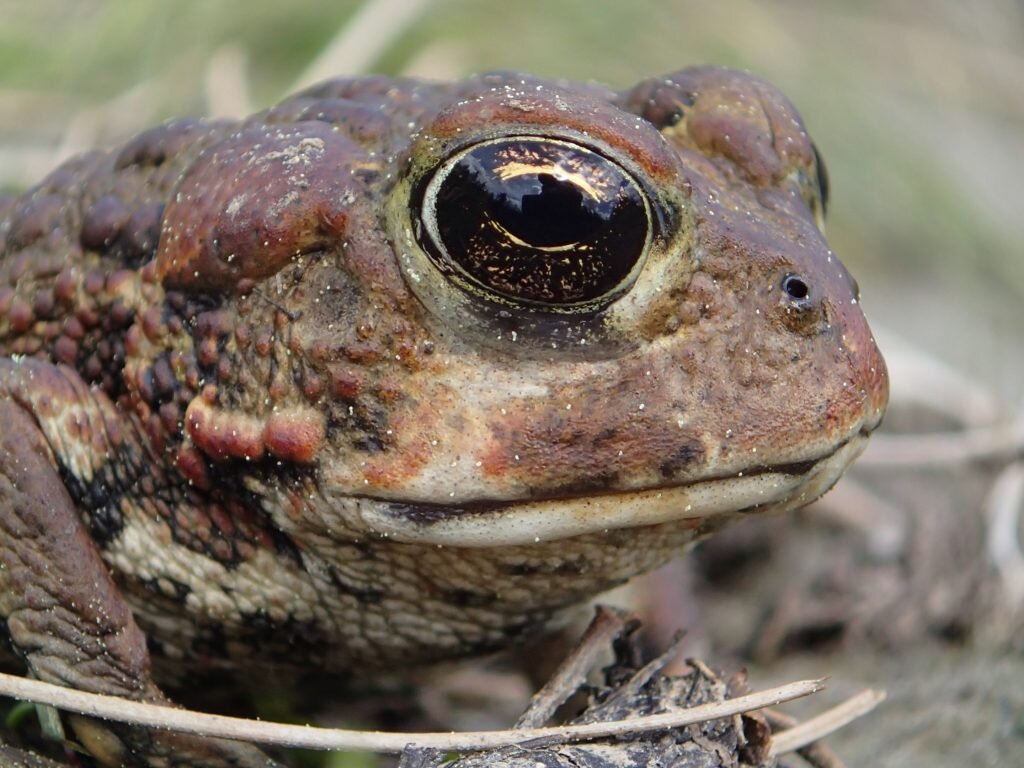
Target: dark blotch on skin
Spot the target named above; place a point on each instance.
(574, 567)
(364, 595)
(467, 598)
(101, 498)
(181, 591)
(521, 629)
(686, 455)
(426, 514)
(292, 633)
(286, 546)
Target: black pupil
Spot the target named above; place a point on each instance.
(536, 220)
(553, 214)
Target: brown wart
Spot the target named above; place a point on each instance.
(294, 434)
(253, 203)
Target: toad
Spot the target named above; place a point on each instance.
(394, 372)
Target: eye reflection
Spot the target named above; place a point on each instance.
(536, 221)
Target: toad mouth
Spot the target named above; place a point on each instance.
(531, 521)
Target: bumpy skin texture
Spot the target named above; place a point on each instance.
(248, 418)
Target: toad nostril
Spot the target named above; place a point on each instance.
(795, 287)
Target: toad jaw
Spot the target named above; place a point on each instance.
(766, 489)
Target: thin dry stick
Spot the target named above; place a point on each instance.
(240, 729)
(226, 82)
(363, 38)
(820, 726)
(999, 441)
(1003, 510)
(817, 754)
(643, 675)
(607, 625)
(917, 376)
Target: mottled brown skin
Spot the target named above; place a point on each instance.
(246, 418)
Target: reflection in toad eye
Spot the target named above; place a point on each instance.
(529, 220)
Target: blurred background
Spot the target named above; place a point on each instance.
(918, 109)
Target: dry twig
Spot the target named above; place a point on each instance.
(817, 754)
(817, 728)
(1003, 507)
(607, 625)
(995, 442)
(241, 729)
(362, 39)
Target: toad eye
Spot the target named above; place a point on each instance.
(534, 221)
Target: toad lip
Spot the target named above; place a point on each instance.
(489, 524)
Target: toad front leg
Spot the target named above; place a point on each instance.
(63, 612)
